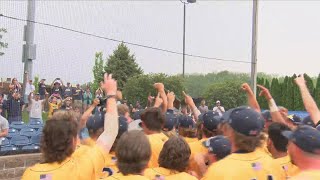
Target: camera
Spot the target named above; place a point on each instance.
(103, 101)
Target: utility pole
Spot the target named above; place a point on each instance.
(254, 46)
(184, 39)
(29, 49)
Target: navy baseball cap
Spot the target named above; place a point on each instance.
(306, 138)
(200, 117)
(211, 120)
(123, 126)
(186, 122)
(267, 116)
(171, 121)
(137, 114)
(95, 122)
(308, 121)
(244, 120)
(295, 119)
(218, 145)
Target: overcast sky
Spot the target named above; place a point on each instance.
(288, 36)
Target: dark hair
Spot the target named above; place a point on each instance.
(133, 152)
(58, 137)
(153, 119)
(175, 154)
(209, 133)
(188, 132)
(279, 141)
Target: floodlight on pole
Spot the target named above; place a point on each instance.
(184, 33)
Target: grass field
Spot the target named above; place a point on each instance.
(25, 116)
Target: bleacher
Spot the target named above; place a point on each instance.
(22, 138)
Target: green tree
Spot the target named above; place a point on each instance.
(122, 65)
(297, 99)
(36, 84)
(284, 92)
(261, 100)
(138, 87)
(3, 45)
(309, 83)
(228, 92)
(317, 92)
(98, 71)
(276, 90)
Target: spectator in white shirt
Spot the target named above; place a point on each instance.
(36, 106)
(218, 108)
(29, 89)
(4, 126)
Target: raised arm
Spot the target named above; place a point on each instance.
(111, 125)
(158, 101)
(252, 101)
(161, 91)
(274, 110)
(309, 103)
(84, 118)
(171, 97)
(189, 101)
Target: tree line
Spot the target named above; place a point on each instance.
(223, 86)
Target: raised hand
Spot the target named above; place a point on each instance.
(109, 85)
(300, 81)
(171, 96)
(246, 87)
(159, 87)
(158, 101)
(188, 99)
(265, 92)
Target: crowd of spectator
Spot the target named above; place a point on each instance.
(101, 137)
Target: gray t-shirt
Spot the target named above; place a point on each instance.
(36, 109)
(3, 125)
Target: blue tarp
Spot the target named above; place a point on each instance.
(301, 114)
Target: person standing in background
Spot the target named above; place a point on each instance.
(218, 108)
(36, 106)
(14, 87)
(2, 102)
(57, 87)
(42, 89)
(29, 89)
(99, 93)
(67, 92)
(203, 108)
(87, 98)
(78, 95)
(14, 107)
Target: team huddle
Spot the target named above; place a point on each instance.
(160, 142)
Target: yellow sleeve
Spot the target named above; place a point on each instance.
(91, 163)
(88, 142)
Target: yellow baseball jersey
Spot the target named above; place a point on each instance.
(287, 166)
(156, 143)
(307, 175)
(254, 165)
(163, 173)
(190, 140)
(120, 176)
(88, 141)
(196, 148)
(110, 167)
(53, 107)
(83, 165)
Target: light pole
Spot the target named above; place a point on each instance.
(254, 46)
(184, 32)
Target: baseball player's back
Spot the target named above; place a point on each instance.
(255, 165)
